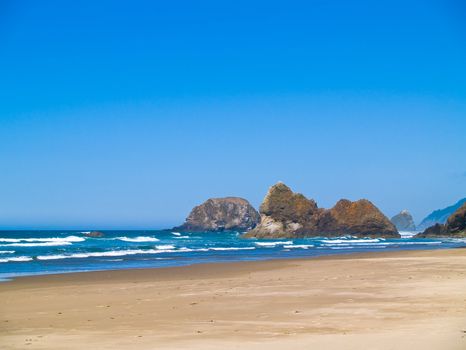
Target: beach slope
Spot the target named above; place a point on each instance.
(396, 300)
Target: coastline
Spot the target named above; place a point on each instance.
(114, 274)
(378, 300)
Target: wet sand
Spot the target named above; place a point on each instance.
(395, 300)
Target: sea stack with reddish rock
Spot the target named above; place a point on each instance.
(221, 214)
(455, 227)
(285, 214)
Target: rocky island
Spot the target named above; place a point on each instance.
(285, 214)
(403, 221)
(221, 214)
(94, 234)
(455, 227)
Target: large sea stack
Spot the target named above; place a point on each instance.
(403, 221)
(221, 214)
(285, 214)
(455, 227)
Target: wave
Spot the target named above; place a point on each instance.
(176, 234)
(114, 253)
(32, 242)
(138, 239)
(16, 259)
(298, 246)
(232, 248)
(47, 239)
(165, 246)
(272, 244)
(413, 243)
(97, 254)
(182, 237)
(379, 244)
(7, 251)
(342, 248)
(45, 244)
(363, 240)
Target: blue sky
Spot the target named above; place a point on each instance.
(127, 114)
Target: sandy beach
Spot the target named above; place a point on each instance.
(395, 300)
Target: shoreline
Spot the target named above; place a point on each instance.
(378, 300)
(339, 255)
(10, 279)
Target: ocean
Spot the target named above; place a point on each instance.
(44, 252)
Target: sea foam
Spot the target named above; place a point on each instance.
(138, 239)
(363, 240)
(165, 246)
(298, 246)
(231, 248)
(272, 244)
(47, 239)
(16, 259)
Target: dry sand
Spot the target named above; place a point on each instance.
(399, 300)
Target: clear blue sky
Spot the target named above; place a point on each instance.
(119, 114)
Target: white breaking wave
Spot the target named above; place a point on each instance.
(33, 242)
(165, 246)
(300, 246)
(16, 258)
(98, 254)
(379, 244)
(364, 240)
(176, 234)
(182, 237)
(407, 234)
(7, 251)
(272, 244)
(47, 239)
(45, 244)
(411, 243)
(138, 239)
(114, 253)
(232, 248)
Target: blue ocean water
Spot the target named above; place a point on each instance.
(45, 252)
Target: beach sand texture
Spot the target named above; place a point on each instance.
(396, 300)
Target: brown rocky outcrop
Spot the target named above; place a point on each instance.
(94, 234)
(360, 218)
(288, 214)
(454, 227)
(221, 214)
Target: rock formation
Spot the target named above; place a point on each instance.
(221, 214)
(94, 234)
(284, 213)
(403, 221)
(288, 214)
(440, 216)
(454, 227)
